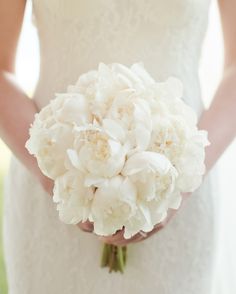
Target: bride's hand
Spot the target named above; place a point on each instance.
(47, 184)
(86, 226)
(118, 238)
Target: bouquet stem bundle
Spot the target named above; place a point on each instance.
(114, 257)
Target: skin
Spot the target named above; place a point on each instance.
(218, 119)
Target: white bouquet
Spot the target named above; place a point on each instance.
(121, 148)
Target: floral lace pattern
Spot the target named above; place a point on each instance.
(44, 255)
(83, 33)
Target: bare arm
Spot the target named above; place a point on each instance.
(16, 109)
(220, 119)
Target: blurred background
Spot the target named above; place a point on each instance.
(210, 74)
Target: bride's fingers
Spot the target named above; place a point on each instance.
(112, 238)
(141, 236)
(134, 239)
(119, 240)
(122, 241)
(137, 237)
(86, 226)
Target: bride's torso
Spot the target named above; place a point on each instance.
(75, 35)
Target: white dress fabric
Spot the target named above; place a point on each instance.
(42, 254)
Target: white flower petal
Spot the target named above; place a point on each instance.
(72, 197)
(146, 160)
(114, 129)
(93, 180)
(113, 204)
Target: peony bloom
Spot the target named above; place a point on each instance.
(113, 204)
(97, 151)
(51, 133)
(47, 145)
(134, 115)
(72, 197)
(183, 144)
(154, 178)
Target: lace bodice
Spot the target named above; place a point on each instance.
(76, 35)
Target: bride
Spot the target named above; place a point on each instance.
(42, 254)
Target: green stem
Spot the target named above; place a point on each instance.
(111, 259)
(114, 257)
(120, 256)
(104, 260)
(124, 250)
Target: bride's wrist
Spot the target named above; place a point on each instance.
(47, 184)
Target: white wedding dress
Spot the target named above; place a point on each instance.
(45, 256)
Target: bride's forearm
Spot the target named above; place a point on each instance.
(16, 114)
(220, 119)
